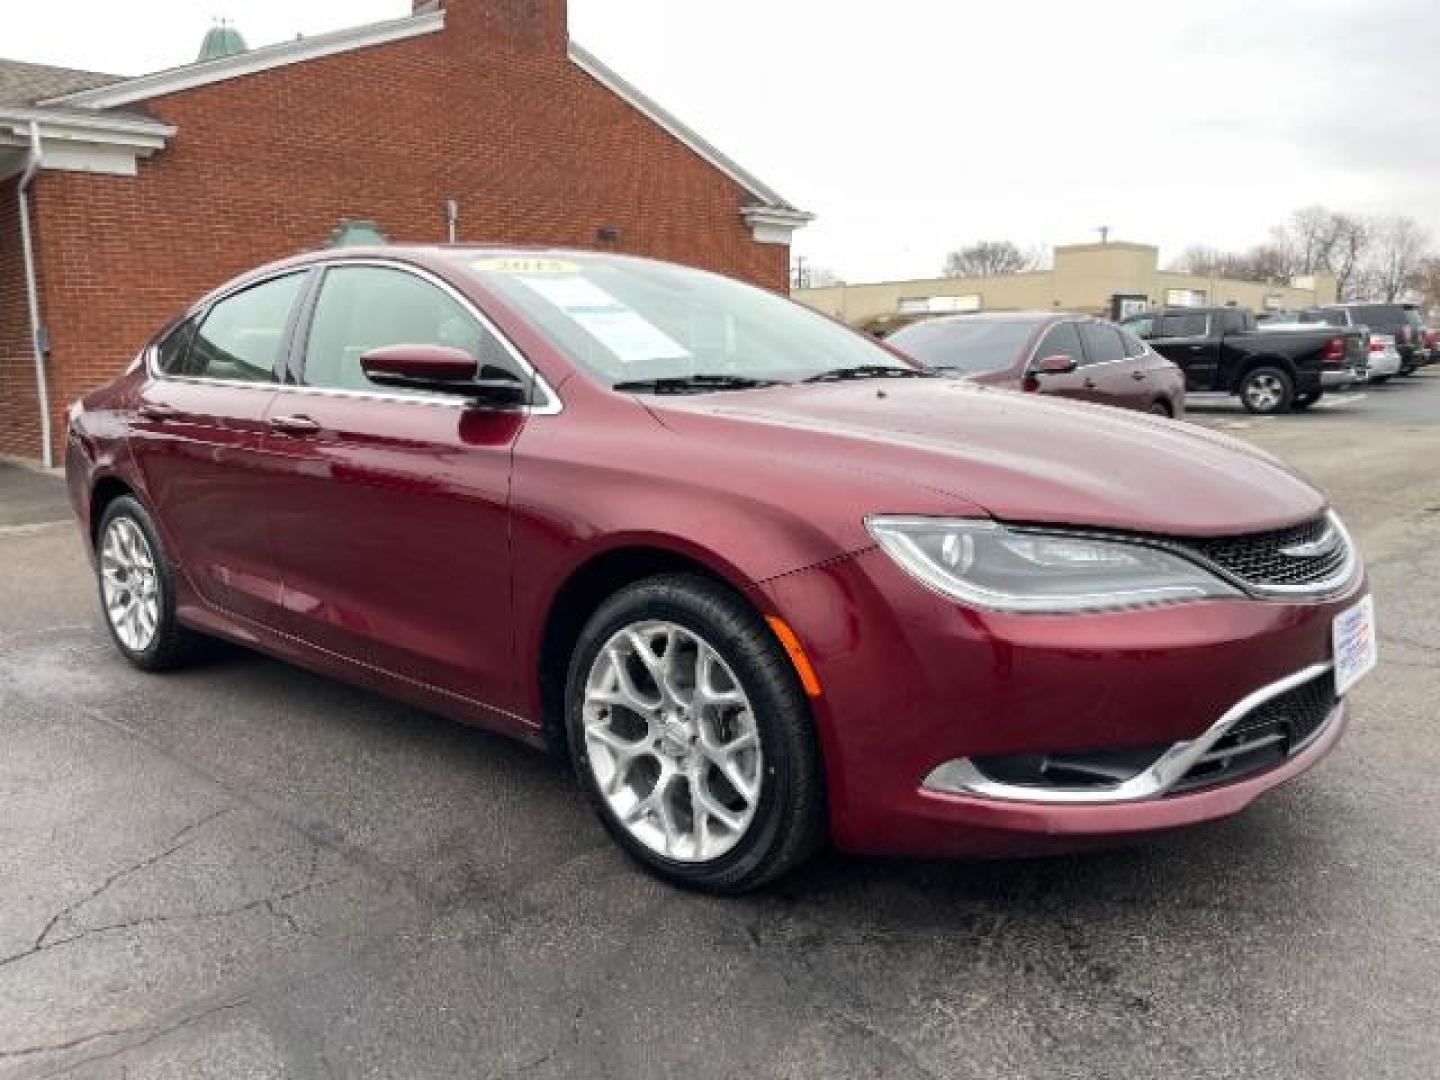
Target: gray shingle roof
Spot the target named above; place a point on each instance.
(24, 84)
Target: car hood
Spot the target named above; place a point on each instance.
(1018, 457)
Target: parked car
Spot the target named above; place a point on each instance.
(1432, 345)
(1221, 350)
(766, 582)
(1397, 324)
(1070, 356)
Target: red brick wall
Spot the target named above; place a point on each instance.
(489, 112)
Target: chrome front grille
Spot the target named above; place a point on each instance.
(1316, 553)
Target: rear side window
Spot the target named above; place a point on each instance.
(1063, 339)
(241, 336)
(370, 307)
(1142, 326)
(1189, 325)
(1102, 343)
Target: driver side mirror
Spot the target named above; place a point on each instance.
(441, 369)
(1059, 364)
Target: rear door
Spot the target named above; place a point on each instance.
(390, 508)
(1185, 339)
(1113, 378)
(198, 442)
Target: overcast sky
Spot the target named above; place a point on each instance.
(914, 126)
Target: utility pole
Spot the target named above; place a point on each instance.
(800, 275)
(1104, 232)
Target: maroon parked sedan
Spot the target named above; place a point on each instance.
(1070, 356)
(766, 583)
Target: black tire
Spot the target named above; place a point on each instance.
(1160, 408)
(1304, 401)
(1277, 386)
(171, 645)
(1380, 380)
(789, 819)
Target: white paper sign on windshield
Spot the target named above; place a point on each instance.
(620, 329)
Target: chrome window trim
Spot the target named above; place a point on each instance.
(553, 404)
(963, 777)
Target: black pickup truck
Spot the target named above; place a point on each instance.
(1272, 371)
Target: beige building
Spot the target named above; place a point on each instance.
(1101, 279)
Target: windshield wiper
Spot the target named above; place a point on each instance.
(870, 371)
(693, 384)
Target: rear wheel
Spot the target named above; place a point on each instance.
(1304, 401)
(1159, 408)
(137, 591)
(1381, 379)
(1266, 391)
(693, 738)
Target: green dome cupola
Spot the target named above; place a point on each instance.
(222, 40)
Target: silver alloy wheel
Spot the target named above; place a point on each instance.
(672, 741)
(1264, 392)
(130, 584)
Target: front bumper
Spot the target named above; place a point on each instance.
(911, 682)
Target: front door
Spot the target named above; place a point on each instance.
(199, 440)
(390, 514)
(1063, 339)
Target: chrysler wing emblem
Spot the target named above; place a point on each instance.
(1329, 540)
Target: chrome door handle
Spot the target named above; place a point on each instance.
(1138, 376)
(294, 426)
(1089, 384)
(159, 411)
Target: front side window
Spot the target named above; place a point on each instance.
(241, 337)
(1134, 347)
(1102, 343)
(372, 307)
(965, 345)
(172, 352)
(1061, 340)
(631, 320)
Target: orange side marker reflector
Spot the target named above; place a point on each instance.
(797, 655)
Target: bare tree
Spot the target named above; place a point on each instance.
(1425, 281)
(1347, 257)
(1399, 246)
(1266, 262)
(990, 258)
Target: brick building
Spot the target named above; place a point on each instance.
(145, 192)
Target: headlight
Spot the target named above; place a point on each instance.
(987, 565)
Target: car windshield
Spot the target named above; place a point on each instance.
(971, 346)
(647, 325)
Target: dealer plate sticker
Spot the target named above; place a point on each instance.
(1356, 645)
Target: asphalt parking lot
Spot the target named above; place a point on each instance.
(247, 871)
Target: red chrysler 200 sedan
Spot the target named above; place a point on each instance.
(1072, 356)
(766, 582)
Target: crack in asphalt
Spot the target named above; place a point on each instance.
(153, 1034)
(180, 840)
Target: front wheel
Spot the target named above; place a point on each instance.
(693, 738)
(1267, 391)
(137, 589)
